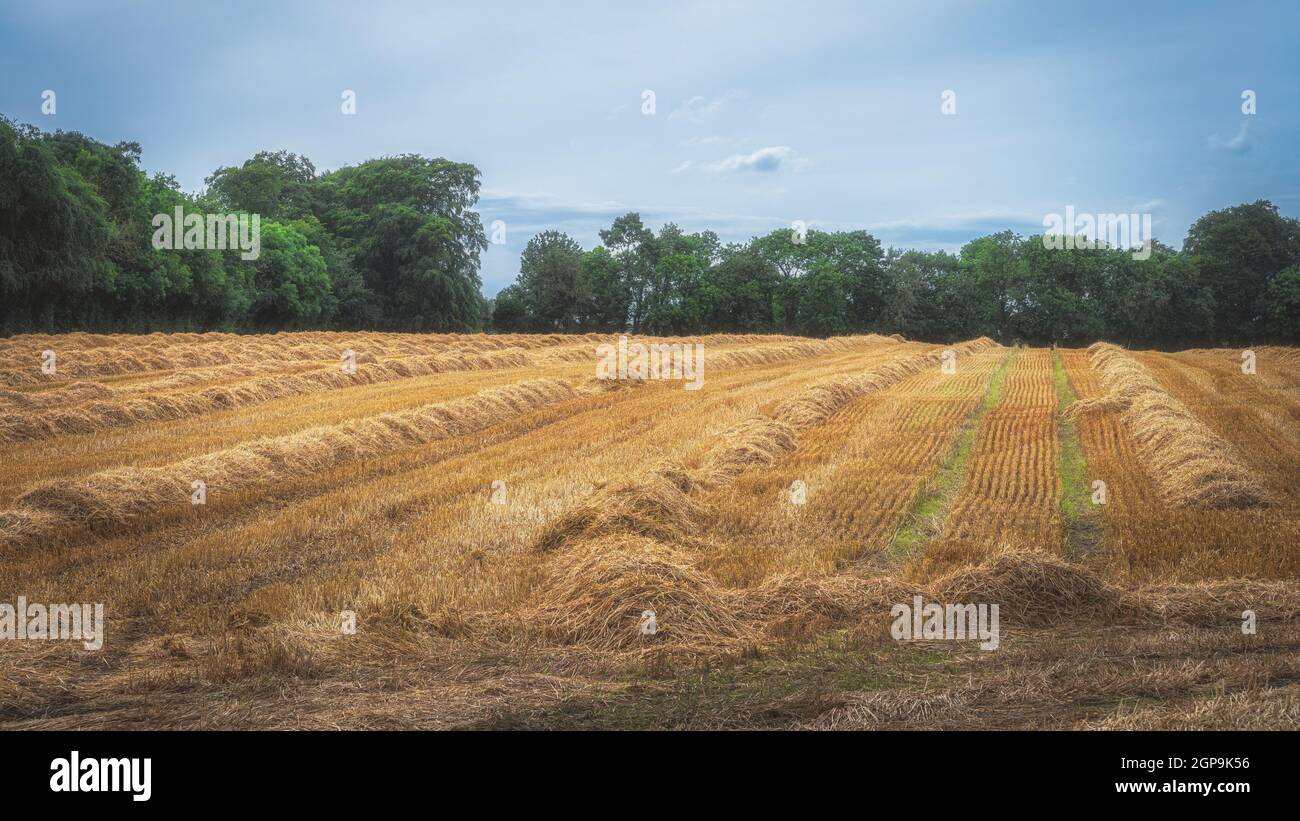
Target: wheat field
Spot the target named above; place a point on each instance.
(382, 530)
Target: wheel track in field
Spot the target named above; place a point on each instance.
(1010, 494)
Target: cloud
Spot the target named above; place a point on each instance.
(698, 108)
(1238, 143)
(765, 160)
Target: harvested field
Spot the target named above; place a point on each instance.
(522, 544)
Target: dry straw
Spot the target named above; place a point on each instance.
(1193, 466)
(1030, 587)
(620, 551)
(117, 496)
(599, 588)
(85, 407)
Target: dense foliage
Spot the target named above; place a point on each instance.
(1237, 279)
(393, 243)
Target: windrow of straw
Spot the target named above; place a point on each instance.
(620, 552)
(599, 588)
(1192, 465)
(763, 440)
(118, 496)
(19, 349)
(23, 366)
(816, 405)
(1034, 588)
(658, 504)
(1031, 587)
(91, 355)
(133, 409)
(795, 350)
(118, 407)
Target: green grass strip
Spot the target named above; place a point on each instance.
(1082, 526)
(924, 519)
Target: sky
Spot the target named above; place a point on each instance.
(831, 114)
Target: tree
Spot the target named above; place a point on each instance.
(405, 222)
(738, 293)
(53, 229)
(510, 312)
(860, 258)
(1282, 306)
(632, 245)
(611, 299)
(292, 283)
(276, 185)
(991, 266)
(551, 282)
(1238, 251)
(823, 301)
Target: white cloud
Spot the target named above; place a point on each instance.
(769, 159)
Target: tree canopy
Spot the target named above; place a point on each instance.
(1236, 280)
(394, 243)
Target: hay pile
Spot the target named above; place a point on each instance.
(655, 505)
(1193, 466)
(755, 442)
(599, 588)
(1031, 587)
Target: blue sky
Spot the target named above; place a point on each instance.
(765, 113)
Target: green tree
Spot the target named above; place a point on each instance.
(276, 185)
(823, 301)
(291, 280)
(510, 311)
(1238, 251)
(632, 246)
(1282, 306)
(552, 283)
(610, 298)
(406, 224)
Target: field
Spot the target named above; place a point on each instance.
(498, 522)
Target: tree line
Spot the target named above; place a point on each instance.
(394, 244)
(1236, 279)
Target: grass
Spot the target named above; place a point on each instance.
(1082, 523)
(926, 515)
